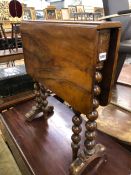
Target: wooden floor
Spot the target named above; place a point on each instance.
(115, 119)
(121, 96)
(45, 145)
(125, 75)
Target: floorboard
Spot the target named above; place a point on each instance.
(121, 96)
(125, 75)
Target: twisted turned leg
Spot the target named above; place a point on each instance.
(41, 103)
(76, 138)
(47, 110)
(91, 150)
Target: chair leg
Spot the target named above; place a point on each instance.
(121, 60)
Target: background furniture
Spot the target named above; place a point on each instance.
(29, 13)
(87, 16)
(80, 8)
(65, 14)
(8, 56)
(3, 39)
(14, 80)
(50, 12)
(114, 7)
(72, 10)
(15, 85)
(16, 36)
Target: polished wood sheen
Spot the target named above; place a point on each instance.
(63, 56)
(44, 145)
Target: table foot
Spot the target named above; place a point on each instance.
(83, 161)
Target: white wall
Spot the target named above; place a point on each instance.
(93, 3)
(70, 2)
(38, 4)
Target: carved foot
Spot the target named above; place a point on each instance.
(37, 112)
(48, 111)
(33, 113)
(83, 160)
(41, 108)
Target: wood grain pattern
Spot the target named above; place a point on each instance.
(44, 145)
(63, 57)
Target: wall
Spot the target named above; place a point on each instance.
(38, 4)
(58, 5)
(72, 2)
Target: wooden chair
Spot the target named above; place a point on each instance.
(4, 38)
(72, 10)
(29, 13)
(80, 8)
(50, 12)
(16, 36)
(76, 61)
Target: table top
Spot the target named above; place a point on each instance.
(87, 13)
(63, 56)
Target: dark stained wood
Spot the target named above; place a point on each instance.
(41, 103)
(45, 145)
(63, 56)
(109, 67)
(76, 137)
(8, 102)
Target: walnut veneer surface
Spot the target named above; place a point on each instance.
(63, 56)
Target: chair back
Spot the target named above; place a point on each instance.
(112, 7)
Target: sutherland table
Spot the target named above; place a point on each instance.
(76, 61)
